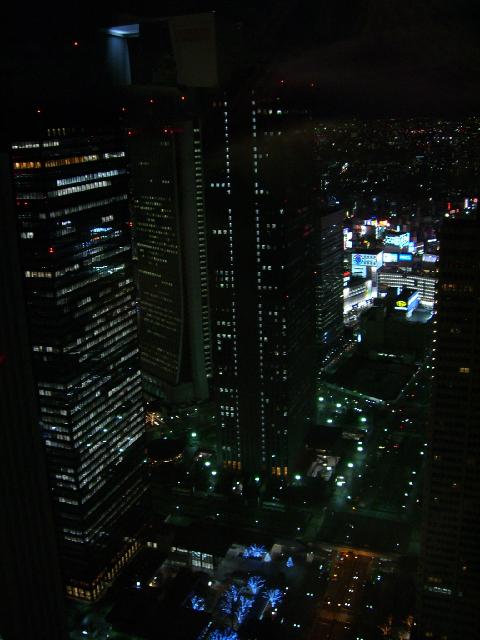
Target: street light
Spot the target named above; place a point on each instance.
(298, 477)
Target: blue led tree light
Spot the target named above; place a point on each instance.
(274, 597)
(255, 551)
(255, 584)
(243, 605)
(197, 603)
(230, 600)
(225, 634)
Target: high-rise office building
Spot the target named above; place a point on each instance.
(168, 215)
(329, 282)
(450, 561)
(32, 594)
(259, 185)
(74, 233)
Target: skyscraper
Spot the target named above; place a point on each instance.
(450, 562)
(32, 595)
(171, 254)
(71, 206)
(329, 282)
(260, 201)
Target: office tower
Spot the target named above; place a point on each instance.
(170, 254)
(32, 596)
(260, 223)
(450, 568)
(73, 224)
(329, 282)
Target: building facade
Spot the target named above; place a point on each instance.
(32, 596)
(74, 232)
(450, 560)
(329, 283)
(259, 184)
(171, 260)
(424, 283)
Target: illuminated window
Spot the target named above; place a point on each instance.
(27, 165)
(72, 160)
(464, 370)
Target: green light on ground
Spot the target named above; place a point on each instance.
(257, 479)
(329, 421)
(362, 419)
(350, 465)
(208, 463)
(298, 477)
(194, 434)
(321, 399)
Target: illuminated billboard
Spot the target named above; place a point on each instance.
(389, 257)
(347, 239)
(405, 257)
(407, 300)
(367, 259)
(399, 240)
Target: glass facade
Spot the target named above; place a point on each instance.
(74, 230)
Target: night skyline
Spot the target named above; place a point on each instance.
(238, 376)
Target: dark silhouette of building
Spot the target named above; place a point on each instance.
(329, 282)
(32, 594)
(259, 185)
(450, 561)
(168, 214)
(73, 223)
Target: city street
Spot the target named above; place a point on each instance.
(343, 597)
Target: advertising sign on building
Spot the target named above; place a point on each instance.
(367, 259)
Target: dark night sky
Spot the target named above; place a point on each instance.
(366, 56)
